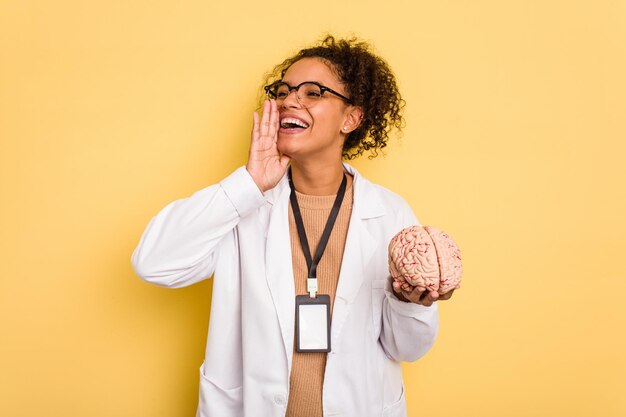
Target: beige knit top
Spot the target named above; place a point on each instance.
(307, 371)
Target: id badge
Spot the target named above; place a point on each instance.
(313, 323)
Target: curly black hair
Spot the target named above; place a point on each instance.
(370, 84)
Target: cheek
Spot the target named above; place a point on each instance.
(327, 124)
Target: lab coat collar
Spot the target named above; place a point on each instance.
(358, 253)
(366, 205)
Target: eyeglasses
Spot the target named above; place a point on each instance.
(308, 93)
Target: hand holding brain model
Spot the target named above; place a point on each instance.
(425, 258)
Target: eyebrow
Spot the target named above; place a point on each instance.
(307, 81)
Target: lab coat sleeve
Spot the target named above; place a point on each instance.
(179, 245)
(408, 330)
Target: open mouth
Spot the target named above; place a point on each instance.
(293, 124)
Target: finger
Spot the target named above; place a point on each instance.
(397, 289)
(447, 295)
(255, 126)
(400, 286)
(405, 286)
(273, 123)
(414, 294)
(429, 297)
(417, 291)
(284, 161)
(265, 120)
(393, 281)
(424, 296)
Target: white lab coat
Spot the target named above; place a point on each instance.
(241, 235)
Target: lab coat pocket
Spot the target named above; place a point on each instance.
(396, 409)
(217, 401)
(378, 295)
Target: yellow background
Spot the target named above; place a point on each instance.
(514, 145)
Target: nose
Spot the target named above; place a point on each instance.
(291, 100)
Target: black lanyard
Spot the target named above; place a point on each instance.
(332, 217)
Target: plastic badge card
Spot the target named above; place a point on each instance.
(313, 323)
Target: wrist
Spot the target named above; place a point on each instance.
(256, 181)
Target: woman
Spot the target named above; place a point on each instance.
(260, 232)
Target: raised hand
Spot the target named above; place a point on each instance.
(265, 164)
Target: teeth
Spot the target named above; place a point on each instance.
(293, 121)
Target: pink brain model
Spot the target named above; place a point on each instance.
(425, 257)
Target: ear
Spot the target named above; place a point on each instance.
(353, 119)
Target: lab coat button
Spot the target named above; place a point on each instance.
(280, 399)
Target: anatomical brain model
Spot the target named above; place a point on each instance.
(425, 257)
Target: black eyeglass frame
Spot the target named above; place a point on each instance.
(323, 89)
